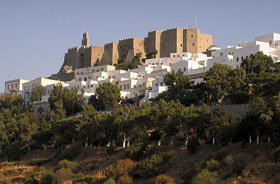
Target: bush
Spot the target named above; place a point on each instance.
(69, 154)
(276, 154)
(80, 178)
(152, 165)
(164, 179)
(206, 177)
(229, 160)
(64, 175)
(212, 165)
(192, 145)
(110, 181)
(47, 178)
(4, 181)
(66, 164)
(125, 179)
(121, 167)
(31, 178)
(138, 150)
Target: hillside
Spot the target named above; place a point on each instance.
(256, 159)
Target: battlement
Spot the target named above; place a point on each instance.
(155, 30)
(168, 41)
(74, 49)
(125, 39)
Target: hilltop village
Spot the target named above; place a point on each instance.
(169, 108)
(87, 67)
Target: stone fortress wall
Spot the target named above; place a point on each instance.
(165, 42)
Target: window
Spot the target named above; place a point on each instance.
(85, 79)
(77, 73)
(127, 86)
(117, 82)
(237, 59)
(93, 71)
(161, 83)
(102, 69)
(181, 45)
(242, 58)
(80, 79)
(121, 87)
(124, 86)
(192, 44)
(191, 35)
(270, 42)
(221, 54)
(156, 84)
(185, 69)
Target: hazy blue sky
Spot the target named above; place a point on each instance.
(34, 34)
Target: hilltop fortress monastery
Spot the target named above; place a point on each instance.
(87, 67)
(174, 40)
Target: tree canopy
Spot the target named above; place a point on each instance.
(107, 95)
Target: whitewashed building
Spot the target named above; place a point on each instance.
(48, 84)
(15, 86)
(147, 80)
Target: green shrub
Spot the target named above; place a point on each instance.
(81, 178)
(63, 175)
(152, 166)
(192, 145)
(70, 153)
(138, 150)
(125, 179)
(121, 167)
(31, 178)
(229, 160)
(4, 181)
(66, 164)
(110, 181)
(212, 165)
(164, 179)
(205, 177)
(47, 178)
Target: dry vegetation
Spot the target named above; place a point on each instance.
(248, 163)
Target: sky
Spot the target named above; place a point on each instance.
(35, 34)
